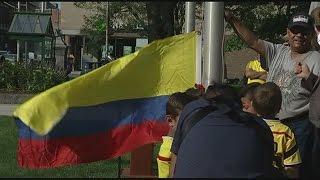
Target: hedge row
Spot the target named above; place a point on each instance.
(29, 78)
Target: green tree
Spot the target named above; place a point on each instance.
(159, 19)
(271, 19)
(123, 16)
(163, 19)
(267, 19)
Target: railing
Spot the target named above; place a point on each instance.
(8, 4)
(45, 11)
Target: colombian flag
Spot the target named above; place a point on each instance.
(109, 111)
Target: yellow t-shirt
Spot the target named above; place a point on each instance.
(286, 147)
(255, 65)
(164, 157)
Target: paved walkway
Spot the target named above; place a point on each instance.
(7, 109)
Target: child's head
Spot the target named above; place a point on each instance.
(246, 97)
(221, 90)
(267, 99)
(176, 103)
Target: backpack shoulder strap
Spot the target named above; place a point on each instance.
(194, 117)
(250, 121)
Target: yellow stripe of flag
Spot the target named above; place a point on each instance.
(161, 68)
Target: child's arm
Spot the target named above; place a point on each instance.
(164, 157)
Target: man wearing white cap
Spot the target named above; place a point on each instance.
(281, 60)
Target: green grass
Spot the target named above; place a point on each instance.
(10, 168)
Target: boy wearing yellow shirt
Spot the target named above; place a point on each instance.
(267, 102)
(174, 107)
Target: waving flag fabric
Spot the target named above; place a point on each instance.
(109, 111)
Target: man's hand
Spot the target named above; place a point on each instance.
(228, 15)
(302, 70)
(252, 74)
(244, 33)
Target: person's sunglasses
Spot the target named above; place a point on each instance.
(297, 29)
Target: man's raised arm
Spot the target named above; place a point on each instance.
(244, 33)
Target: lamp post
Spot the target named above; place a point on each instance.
(42, 6)
(18, 42)
(107, 26)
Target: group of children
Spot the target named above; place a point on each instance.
(261, 99)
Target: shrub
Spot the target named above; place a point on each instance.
(234, 43)
(29, 78)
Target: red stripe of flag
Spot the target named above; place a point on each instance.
(83, 149)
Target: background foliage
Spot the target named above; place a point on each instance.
(24, 77)
(267, 19)
(159, 19)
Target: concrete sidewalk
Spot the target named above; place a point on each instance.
(7, 109)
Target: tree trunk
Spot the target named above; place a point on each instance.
(160, 19)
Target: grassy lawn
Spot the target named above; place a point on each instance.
(10, 168)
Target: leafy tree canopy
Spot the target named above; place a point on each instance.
(267, 19)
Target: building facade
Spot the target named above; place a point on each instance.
(72, 20)
(7, 12)
(119, 43)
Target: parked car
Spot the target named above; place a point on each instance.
(106, 60)
(11, 57)
(8, 56)
(3, 52)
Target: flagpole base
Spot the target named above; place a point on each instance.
(140, 163)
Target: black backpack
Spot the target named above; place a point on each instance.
(220, 105)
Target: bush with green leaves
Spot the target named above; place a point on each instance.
(29, 78)
(234, 43)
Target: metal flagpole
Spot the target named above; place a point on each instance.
(42, 44)
(106, 56)
(189, 27)
(199, 61)
(107, 26)
(189, 16)
(26, 43)
(213, 41)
